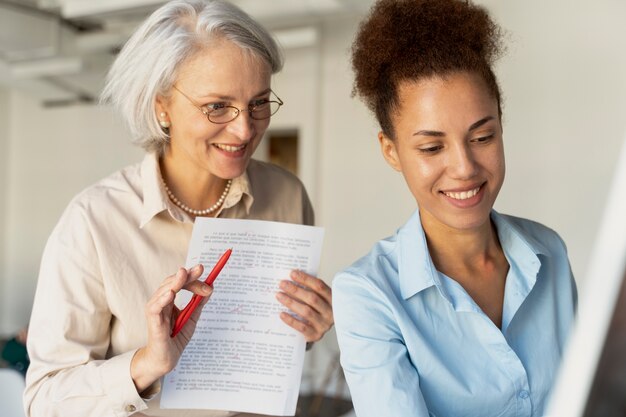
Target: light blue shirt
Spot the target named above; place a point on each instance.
(413, 343)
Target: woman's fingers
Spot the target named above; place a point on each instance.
(310, 332)
(308, 297)
(161, 298)
(173, 280)
(314, 284)
(181, 278)
(190, 325)
(195, 316)
(200, 288)
(311, 291)
(307, 330)
(303, 310)
(311, 300)
(160, 306)
(195, 285)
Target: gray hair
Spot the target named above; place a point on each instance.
(148, 63)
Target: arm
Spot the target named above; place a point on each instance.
(380, 375)
(71, 372)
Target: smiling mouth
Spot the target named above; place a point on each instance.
(230, 148)
(463, 195)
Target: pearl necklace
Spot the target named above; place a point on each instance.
(189, 210)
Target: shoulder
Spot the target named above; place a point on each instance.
(555, 270)
(536, 234)
(527, 226)
(278, 195)
(122, 190)
(90, 216)
(376, 272)
(366, 295)
(119, 184)
(260, 173)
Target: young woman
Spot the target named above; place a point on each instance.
(194, 84)
(464, 311)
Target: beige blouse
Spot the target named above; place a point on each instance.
(112, 247)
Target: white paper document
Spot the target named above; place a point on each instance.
(242, 357)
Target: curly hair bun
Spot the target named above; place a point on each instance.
(413, 39)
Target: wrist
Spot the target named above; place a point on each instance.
(143, 371)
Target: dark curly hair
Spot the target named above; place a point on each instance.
(404, 40)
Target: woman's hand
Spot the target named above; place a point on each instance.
(310, 298)
(162, 352)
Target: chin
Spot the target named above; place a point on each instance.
(470, 222)
(231, 172)
(228, 168)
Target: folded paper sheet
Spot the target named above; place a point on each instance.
(242, 357)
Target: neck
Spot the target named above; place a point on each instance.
(196, 188)
(453, 249)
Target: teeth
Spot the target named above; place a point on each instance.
(229, 148)
(464, 195)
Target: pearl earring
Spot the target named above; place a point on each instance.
(164, 123)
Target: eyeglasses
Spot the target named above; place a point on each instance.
(219, 113)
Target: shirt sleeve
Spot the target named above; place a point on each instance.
(70, 373)
(380, 375)
(574, 288)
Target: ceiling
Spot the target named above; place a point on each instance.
(59, 50)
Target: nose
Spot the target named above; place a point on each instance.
(463, 164)
(243, 126)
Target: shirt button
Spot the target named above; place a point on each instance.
(524, 394)
(130, 408)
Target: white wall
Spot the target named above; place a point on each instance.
(5, 111)
(298, 86)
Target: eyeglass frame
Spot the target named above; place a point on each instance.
(237, 110)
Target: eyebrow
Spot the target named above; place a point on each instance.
(222, 97)
(437, 133)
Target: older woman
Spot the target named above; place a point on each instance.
(194, 83)
(464, 311)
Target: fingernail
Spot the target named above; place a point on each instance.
(206, 289)
(280, 296)
(284, 284)
(294, 273)
(196, 269)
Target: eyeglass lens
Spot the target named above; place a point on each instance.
(258, 112)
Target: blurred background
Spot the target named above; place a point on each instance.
(564, 85)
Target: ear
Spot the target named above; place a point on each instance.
(389, 151)
(161, 106)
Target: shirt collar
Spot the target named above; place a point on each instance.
(156, 200)
(521, 250)
(240, 190)
(415, 266)
(154, 197)
(510, 234)
(417, 271)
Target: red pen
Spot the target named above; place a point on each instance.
(195, 300)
